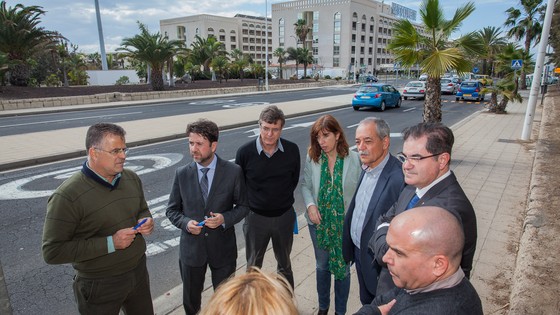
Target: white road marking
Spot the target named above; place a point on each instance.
(69, 119)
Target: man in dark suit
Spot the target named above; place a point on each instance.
(426, 156)
(207, 198)
(378, 189)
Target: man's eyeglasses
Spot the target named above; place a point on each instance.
(413, 159)
(115, 152)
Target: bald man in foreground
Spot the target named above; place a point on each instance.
(424, 260)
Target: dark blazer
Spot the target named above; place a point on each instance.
(446, 194)
(387, 190)
(227, 196)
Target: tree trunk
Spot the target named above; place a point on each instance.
(432, 103)
(493, 102)
(157, 78)
(501, 107)
(19, 75)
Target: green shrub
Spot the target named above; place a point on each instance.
(122, 80)
(338, 78)
(52, 80)
(327, 77)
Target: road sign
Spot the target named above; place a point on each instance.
(397, 65)
(475, 70)
(516, 64)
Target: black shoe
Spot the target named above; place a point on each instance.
(323, 312)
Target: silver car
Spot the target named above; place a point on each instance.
(448, 86)
(415, 89)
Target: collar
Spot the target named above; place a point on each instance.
(260, 148)
(423, 191)
(100, 179)
(211, 166)
(446, 283)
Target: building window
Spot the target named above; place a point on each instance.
(281, 32)
(336, 62)
(336, 50)
(222, 38)
(315, 51)
(336, 39)
(232, 38)
(181, 33)
(369, 61)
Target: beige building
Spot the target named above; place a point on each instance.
(344, 33)
(243, 32)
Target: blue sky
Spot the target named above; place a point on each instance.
(76, 20)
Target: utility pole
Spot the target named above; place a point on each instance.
(535, 84)
(101, 41)
(266, 44)
(356, 54)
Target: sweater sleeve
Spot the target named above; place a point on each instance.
(59, 244)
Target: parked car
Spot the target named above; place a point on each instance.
(371, 78)
(376, 95)
(470, 90)
(484, 79)
(423, 77)
(415, 89)
(448, 86)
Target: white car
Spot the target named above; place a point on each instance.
(448, 86)
(415, 89)
(423, 77)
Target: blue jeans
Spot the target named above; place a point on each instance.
(341, 287)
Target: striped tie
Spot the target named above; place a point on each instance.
(204, 183)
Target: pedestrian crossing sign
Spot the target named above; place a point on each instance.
(516, 64)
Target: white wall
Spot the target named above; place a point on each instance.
(109, 77)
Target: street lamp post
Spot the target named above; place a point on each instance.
(266, 43)
(101, 41)
(356, 55)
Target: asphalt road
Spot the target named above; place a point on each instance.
(37, 288)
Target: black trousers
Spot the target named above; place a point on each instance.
(259, 230)
(129, 291)
(193, 283)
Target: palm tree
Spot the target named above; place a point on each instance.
(204, 50)
(305, 58)
(507, 87)
(21, 38)
(220, 65)
(154, 49)
(281, 54)
(525, 24)
(240, 62)
(302, 29)
(293, 54)
(434, 52)
(493, 41)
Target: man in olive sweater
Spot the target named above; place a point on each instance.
(271, 168)
(95, 221)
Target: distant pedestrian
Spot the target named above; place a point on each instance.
(380, 183)
(271, 166)
(330, 177)
(425, 269)
(96, 220)
(426, 156)
(207, 199)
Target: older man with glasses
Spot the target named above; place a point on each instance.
(426, 157)
(96, 221)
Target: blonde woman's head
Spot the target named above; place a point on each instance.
(253, 293)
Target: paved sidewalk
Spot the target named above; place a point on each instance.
(493, 167)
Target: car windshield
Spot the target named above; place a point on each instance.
(445, 81)
(415, 84)
(368, 89)
(469, 84)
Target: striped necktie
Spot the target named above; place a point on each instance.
(204, 183)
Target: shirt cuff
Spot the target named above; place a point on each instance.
(110, 244)
(382, 225)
